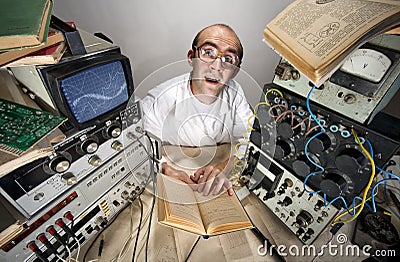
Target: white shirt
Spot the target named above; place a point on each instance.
(173, 114)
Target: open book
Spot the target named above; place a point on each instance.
(316, 36)
(181, 207)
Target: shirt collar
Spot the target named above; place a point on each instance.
(184, 100)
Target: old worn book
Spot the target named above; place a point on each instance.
(182, 208)
(24, 23)
(54, 37)
(316, 36)
(46, 56)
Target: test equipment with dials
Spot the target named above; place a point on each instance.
(304, 171)
(363, 85)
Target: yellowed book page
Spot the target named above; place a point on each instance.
(222, 211)
(181, 203)
(320, 32)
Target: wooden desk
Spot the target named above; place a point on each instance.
(166, 244)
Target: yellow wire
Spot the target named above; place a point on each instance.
(371, 179)
(351, 209)
(269, 91)
(238, 164)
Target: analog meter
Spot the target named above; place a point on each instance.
(367, 64)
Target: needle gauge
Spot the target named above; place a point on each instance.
(368, 64)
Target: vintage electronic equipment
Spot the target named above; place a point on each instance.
(22, 127)
(283, 193)
(95, 92)
(77, 214)
(34, 185)
(88, 89)
(328, 167)
(360, 88)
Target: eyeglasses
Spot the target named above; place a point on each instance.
(208, 54)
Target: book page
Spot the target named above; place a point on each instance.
(316, 34)
(222, 210)
(180, 201)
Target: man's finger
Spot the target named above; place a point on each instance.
(218, 186)
(207, 185)
(198, 174)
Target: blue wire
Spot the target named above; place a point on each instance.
(305, 182)
(388, 173)
(315, 164)
(353, 203)
(377, 184)
(384, 186)
(308, 142)
(354, 199)
(309, 109)
(306, 151)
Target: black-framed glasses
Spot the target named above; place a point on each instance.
(208, 54)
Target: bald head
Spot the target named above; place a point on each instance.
(221, 32)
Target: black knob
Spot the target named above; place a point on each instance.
(350, 160)
(303, 219)
(301, 168)
(285, 130)
(59, 164)
(320, 143)
(283, 149)
(290, 127)
(89, 146)
(285, 202)
(333, 185)
(114, 130)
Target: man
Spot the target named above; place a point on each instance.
(205, 107)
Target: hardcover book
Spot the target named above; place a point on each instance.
(317, 36)
(24, 23)
(54, 37)
(182, 208)
(46, 56)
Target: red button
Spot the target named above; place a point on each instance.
(42, 238)
(69, 216)
(32, 246)
(60, 223)
(51, 230)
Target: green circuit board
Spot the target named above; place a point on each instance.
(21, 127)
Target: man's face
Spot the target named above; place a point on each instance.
(210, 78)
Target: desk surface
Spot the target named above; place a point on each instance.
(166, 244)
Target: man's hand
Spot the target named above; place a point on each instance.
(178, 174)
(211, 179)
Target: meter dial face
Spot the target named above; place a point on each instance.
(368, 64)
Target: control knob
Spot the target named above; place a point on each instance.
(95, 161)
(350, 160)
(59, 164)
(89, 146)
(117, 146)
(303, 166)
(69, 179)
(114, 130)
(303, 219)
(320, 143)
(283, 149)
(285, 130)
(333, 185)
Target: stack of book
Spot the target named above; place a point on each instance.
(26, 37)
(317, 36)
